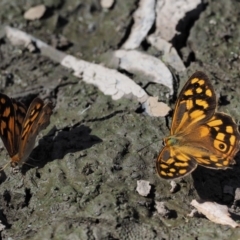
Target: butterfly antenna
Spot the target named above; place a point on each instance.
(28, 164)
(147, 145)
(34, 160)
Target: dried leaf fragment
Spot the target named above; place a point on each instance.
(155, 108)
(215, 212)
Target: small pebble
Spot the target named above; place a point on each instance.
(35, 12)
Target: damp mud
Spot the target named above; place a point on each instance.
(80, 181)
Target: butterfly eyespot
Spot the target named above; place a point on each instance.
(222, 146)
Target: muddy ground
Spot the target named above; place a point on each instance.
(87, 164)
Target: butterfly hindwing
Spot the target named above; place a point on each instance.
(172, 164)
(20, 111)
(222, 142)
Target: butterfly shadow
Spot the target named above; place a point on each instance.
(217, 185)
(57, 143)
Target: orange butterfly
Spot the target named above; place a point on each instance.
(199, 134)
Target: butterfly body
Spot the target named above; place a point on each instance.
(20, 126)
(199, 135)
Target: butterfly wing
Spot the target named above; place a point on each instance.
(196, 103)
(20, 114)
(174, 163)
(212, 145)
(37, 118)
(10, 125)
(218, 142)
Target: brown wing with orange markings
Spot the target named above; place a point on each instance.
(195, 105)
(10, 125)
(37, 118)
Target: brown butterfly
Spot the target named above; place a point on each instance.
(20, 126)
(199, 134)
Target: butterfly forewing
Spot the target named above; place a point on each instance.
(196, 103)
(9, 124)
(20, 111)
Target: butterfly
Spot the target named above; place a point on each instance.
(199, 134)
(20, 126)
